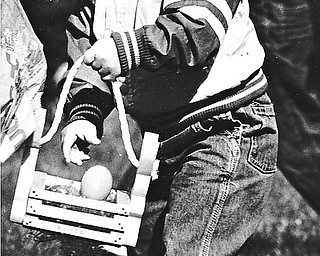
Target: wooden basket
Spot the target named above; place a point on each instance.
(115, 224)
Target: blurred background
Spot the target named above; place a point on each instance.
(290, 33)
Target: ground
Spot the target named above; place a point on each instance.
(290, 227)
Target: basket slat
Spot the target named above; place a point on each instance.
(120, 209)
(35, 207)
(115, 238)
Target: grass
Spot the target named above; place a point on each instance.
(290, 228)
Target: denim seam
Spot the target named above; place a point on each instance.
(222, 196)
(262, 168)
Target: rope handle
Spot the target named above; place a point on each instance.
(124, 123)
(62, 101)
(121, 110)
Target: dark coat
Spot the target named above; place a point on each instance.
(290, 34)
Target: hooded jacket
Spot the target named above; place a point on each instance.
(181, 59)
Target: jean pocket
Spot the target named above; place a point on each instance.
(264, 140)
(263, 153)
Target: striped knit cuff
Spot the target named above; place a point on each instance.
(123, 56)
(91, 104)
(132, 49)
(90, 113)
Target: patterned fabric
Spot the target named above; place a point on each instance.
(22, 75)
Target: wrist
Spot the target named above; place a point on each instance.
(91, 104)
(132, 48)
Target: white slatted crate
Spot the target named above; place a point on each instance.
(115, 224)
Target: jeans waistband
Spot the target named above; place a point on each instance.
(194, 133)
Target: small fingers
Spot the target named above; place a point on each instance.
(109, 77)
(104, 71)
(92, 137)
(68, 142)
(89, 57)
(96, 65)
(77, 157)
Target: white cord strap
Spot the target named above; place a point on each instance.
(62, 100)
(124, 124)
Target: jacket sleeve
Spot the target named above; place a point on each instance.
(186, 34)
(89, 103)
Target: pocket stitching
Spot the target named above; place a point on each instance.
(261, 167)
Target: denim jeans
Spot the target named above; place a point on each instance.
(209, 198)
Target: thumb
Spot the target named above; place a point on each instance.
(93, 139)
(89, 56)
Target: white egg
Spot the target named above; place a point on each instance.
(96, 183)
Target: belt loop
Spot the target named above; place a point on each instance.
(197, 127)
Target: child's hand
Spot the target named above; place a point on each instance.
(80, 129)
(103, 57)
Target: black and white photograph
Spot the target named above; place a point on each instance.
(160, 127)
